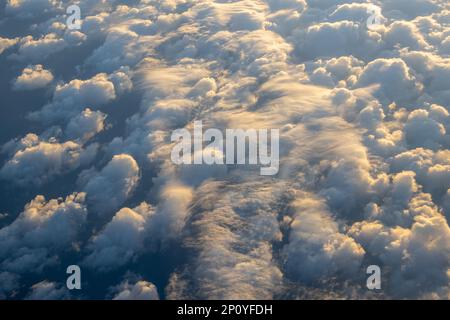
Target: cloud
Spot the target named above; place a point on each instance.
(316, 248)
(171, 214)
(417, 255)
(42, 231)
(27, 9)
(330, 39)
(34, 50)
(364, 163)
(6, 43)
(121, 47)
(394, 77)
(405, 34)
(121, 239)
(421, 131)
(141, 290)
(412, 8)
(33, 77)
(46, 290)
(86, 125)
(71, 98)
(108, 189)
(37, 162)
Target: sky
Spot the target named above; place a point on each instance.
(359, 92)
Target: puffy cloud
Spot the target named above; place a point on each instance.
(122, 47)
(43, 230)
(121, 239)
(71, 98)
(6, 43)
(108, 189)
(411, 8)
(405, 34)
(33, 77)
(36, 162)
(364, 167)
(404, 186)
(330, 39)
(421, 131)
(358, 12)
(172, 212)
(431, 168)
(141, 290)
(316, 248)
(33, 50)
(394, 77)
(26, 9)
(417, 256)
(86, 125)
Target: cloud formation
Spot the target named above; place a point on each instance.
(361, 103)
(33, 77)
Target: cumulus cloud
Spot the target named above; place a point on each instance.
(233, 227)
(5, 43)
(86, 125)
(363, 116)
(330, 39)
(33, 50)
(121, 239)
(33, 77)
(421, 131)
(394, 78)
(42, 231)
(141, 290)
(108, 189)
(316, 248)
(35, 161)
(26, 9)
(71, 98)
(420, 251)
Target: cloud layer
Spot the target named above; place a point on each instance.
(362, 105)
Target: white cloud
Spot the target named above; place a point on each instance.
(316, 248)
(34, 50)
(71, 98)
(141, 290)
(36, 162)
(394, 77)
(363, 118)
(121, 239)
(26, 9)
(33, 77)
(108, 189)
(86, 125)
(43, 230)
(6, 43)
(421, 131)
